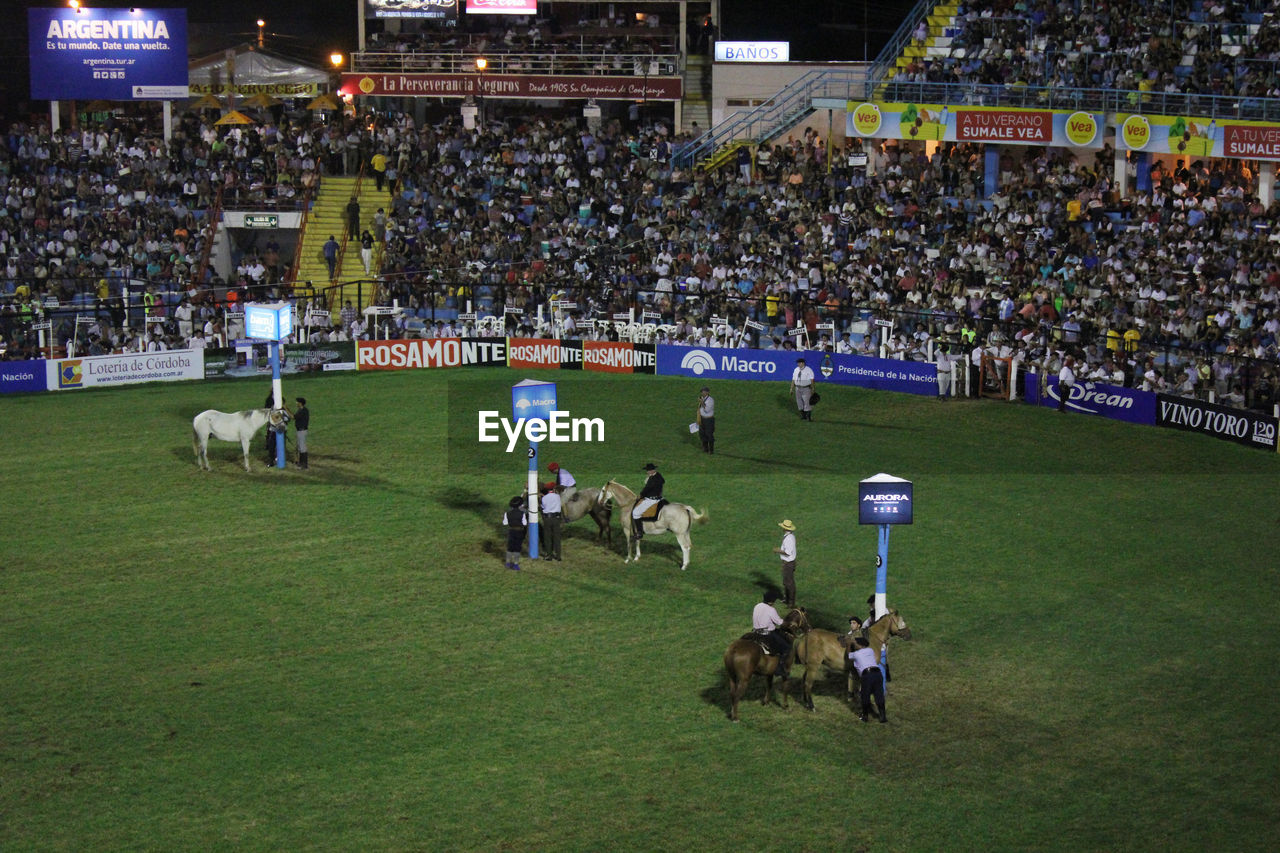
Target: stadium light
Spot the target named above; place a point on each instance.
(335, 59)
(481, 63)
(261, 34)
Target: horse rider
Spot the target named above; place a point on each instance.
(765, 622)
(566, 485)
(649, 495)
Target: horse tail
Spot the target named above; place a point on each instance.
(696, 517)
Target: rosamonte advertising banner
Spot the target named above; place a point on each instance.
(1059, 128)
(113, 54)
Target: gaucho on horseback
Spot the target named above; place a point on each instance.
(765, 622)
(649, 495)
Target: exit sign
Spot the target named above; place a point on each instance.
(261, 220)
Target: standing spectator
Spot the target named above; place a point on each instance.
(353, 218)
(379, 164)
(744, 163)
(347, 316)
(552, 522)
(1066, 381)
(802, 379)
(650, 494)
(787, 552)
(516, 522)
(331, 256)
(871, 677)
(301, 422)
(366, 250)
(707, 420)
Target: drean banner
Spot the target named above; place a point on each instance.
(66, 374)
(1242, 426)
(1095, 398)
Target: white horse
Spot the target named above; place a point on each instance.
(672, 518)
(233, 426)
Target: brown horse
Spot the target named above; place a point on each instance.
(746, 657)
(820, 648)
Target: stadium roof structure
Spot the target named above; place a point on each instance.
(254, 67)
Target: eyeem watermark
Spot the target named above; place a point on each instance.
(559, 428)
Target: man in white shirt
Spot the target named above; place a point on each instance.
(802, 380)
(1066, 381)
(787, 552)
(871, 677)
(766, 622)
(552, 521)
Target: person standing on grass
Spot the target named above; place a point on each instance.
(552, 520)
(802, 380)
(1066, 381)
(871, 677)
(517, 523)
(787, 551)
(302, 422)
(707, 420)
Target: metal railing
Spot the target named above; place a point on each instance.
(1092, 100)
(778, 113)
(899, 40)
(559, 63)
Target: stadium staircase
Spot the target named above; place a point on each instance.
(696, 105)
(328, 215)
(904, 48)
(817, 89)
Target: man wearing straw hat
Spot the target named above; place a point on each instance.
(787, 551)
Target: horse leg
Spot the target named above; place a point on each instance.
(244, 447)
(685, 545)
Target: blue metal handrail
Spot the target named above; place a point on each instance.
(778, 113)
(900, 39)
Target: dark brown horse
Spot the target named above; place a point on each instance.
(746, 657)
(820, 648)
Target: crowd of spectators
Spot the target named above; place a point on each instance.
(520, 212)
(1202, 47)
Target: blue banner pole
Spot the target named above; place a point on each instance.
(278, 395)
(882, 572)
(535, 506)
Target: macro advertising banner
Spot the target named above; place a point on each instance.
(1062, 128)
(1253, 429)
(16, 376)
(514, 86)
(1199, 137)
(1095, 398)
(112, 54)
(65, 374)
(884, 374)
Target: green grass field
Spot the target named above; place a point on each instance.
(336, 659)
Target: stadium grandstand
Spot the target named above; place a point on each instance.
(1159, 271)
